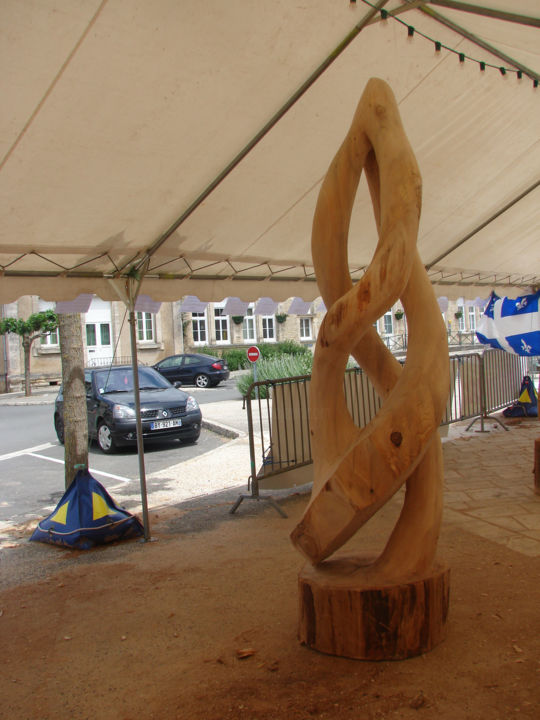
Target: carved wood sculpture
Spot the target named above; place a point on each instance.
(393, 606)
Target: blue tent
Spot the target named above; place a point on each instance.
(86, 516)
(527, 403)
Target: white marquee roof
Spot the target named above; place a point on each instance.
(167, 132)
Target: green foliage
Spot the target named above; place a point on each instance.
(289, 347)
(283, 359)
(34, 326)
(207, 350)
(273, 368)
(236, 359)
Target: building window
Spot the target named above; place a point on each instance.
(221, 325)
(50, 340)
(145, 327)
(248, 326)
(306, 332)
(472, 318)
(388, 324)
(198, 325)
(268, 327)
(461, 318)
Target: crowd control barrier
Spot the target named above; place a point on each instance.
(278, 414)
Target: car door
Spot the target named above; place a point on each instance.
(191, 366)
(171, 368)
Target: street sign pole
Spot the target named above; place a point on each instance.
(253, 354)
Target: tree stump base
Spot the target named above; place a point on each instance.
(345, 611)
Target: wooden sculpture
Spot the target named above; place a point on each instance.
(393, 606)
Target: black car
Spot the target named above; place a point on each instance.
(193, 369)
(166, 411)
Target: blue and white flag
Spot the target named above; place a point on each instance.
(511, 325)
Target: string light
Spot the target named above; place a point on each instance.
(439, 45)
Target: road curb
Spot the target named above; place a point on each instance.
(221, 429)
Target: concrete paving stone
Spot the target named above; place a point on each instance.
(454, 517)
(451, 475)
(489, 493)
(508, 481)
(496, 510)
(494, 532)
(508, 523)
(524, 545)
(532, 505)
(535, 534)
(530, 521)
(457, 499)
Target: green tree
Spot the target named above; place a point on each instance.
(75, 425)
(36, 326)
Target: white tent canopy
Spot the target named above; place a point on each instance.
(169, 139)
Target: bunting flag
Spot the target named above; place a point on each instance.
(86, 515)
(511, 325)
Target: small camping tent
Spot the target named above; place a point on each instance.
(86, 516)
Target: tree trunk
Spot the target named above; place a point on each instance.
(343, 613)
(75, 418)
(27, 344)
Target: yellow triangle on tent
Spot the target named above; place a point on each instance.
(100, 507)
(60, 516)
(524, 397)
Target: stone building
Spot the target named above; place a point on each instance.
(189, 325)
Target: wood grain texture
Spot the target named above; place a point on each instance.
(343, 614)
(357, 470)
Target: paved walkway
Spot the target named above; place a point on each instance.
(489, 479)
(489, 485)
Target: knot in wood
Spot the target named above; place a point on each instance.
(396, 438)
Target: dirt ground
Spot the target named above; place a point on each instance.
(201, 624)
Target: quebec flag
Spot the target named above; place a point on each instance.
(511, 325)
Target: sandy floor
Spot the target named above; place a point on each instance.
(202, 624)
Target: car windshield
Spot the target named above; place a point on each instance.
(121, 380)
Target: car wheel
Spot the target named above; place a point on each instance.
(202, 380)
(59, 427)
(191, 440)
(105, 439)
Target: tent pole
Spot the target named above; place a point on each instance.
(128, 294)
(140, 444)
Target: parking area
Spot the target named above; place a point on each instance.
(31, 479)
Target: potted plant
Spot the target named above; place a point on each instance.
(237, 319)
(458, 315)
(398, 314)
(281, 317)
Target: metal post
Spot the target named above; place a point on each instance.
(253, 480)
(483, 401)
(140, 444)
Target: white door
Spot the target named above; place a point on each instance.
(98, 333)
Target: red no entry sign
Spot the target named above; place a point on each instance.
(253, 353)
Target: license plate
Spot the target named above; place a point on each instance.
(163, 424)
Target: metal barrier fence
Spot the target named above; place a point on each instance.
(278, 410)
(456, 339)
(107, 361)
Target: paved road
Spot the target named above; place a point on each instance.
(31, 460)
